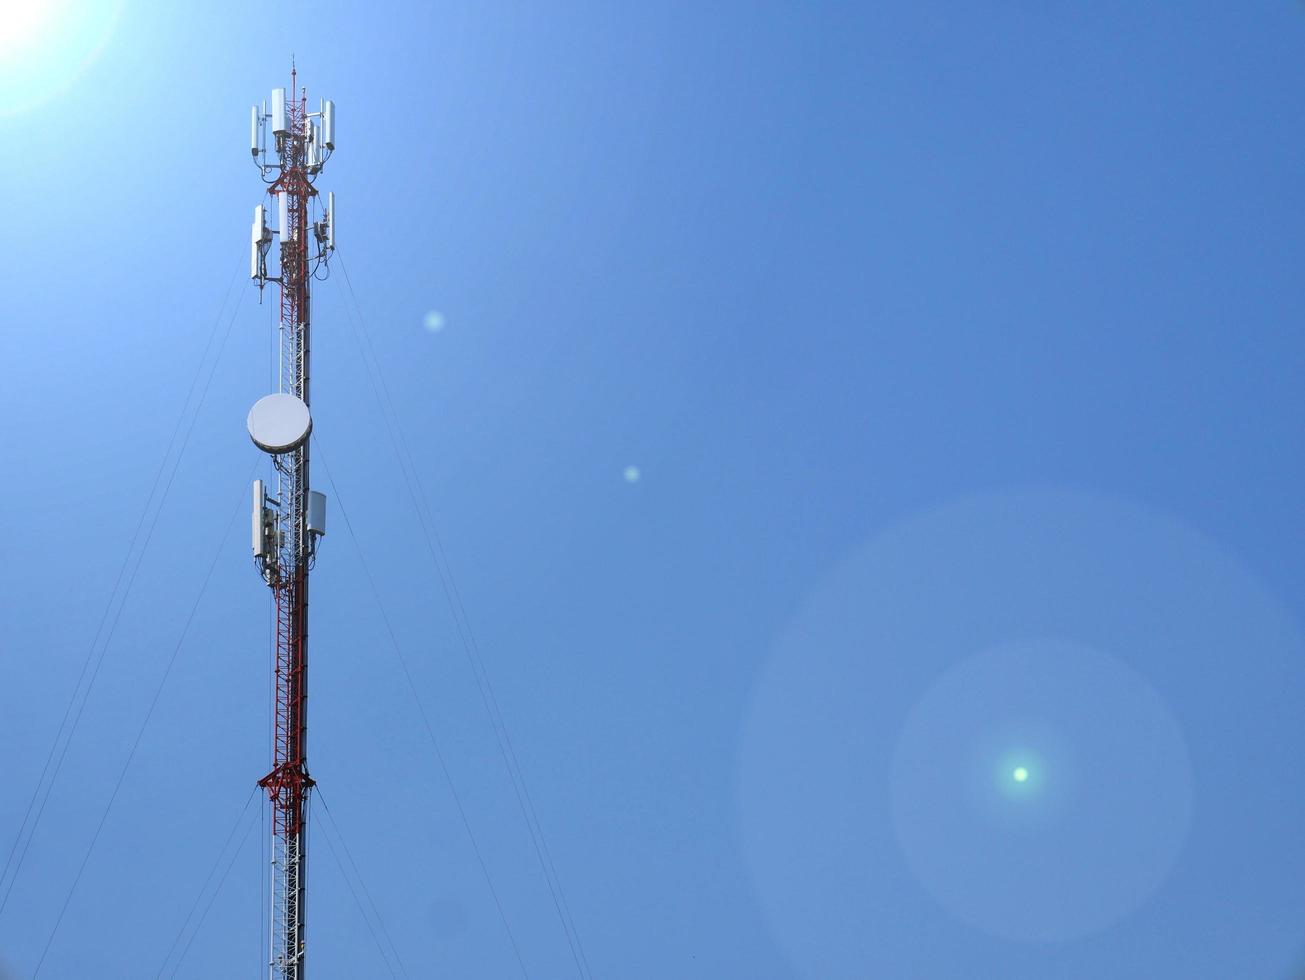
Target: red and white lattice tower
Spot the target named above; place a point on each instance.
(289, 517)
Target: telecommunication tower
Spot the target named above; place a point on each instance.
(289, 520)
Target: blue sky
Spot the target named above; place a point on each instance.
(956, 350)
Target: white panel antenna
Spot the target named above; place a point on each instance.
(316, 512)
(259, 520)
(328, 125)
(312, 146)
(278, 112)
(254, 120)
(258, 239)
(283, 217)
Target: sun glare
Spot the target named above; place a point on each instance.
(22, 24)
(45, 45)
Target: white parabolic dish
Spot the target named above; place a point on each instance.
(279, 423)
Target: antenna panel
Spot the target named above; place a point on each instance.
(283, 216)
(278, 112)
(260, 502)
(316, 517)
(258, 237)
(253, 130)
(328, 125)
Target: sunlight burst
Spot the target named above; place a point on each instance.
(21, 24)
(45, 47)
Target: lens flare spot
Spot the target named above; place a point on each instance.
(433, 321)
(1020, 775)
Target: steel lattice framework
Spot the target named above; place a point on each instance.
(285, 537)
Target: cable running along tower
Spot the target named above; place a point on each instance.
(289, 518)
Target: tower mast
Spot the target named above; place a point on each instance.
(289, 521)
